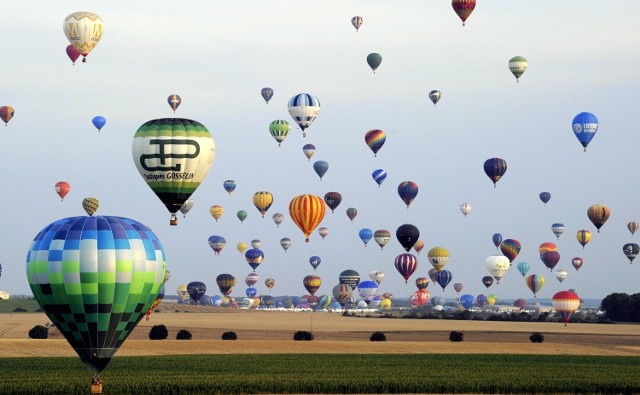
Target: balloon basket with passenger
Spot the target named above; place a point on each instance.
(96, 384)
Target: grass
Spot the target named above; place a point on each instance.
(328, 373)
(7, 306)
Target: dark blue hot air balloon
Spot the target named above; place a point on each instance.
(315, 261)
(585, 126)
(320, 167)
(497, 239)
(379, 176)
(443, 278)
(545, 197)
(251, 292)
(495, 168)
(254, 257)
(467, 301)
(196, 290)
(98, 122)
(408, 190)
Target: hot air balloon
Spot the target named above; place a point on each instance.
(497, 265)
(72, 53)
(351, 213)
(263, 201)
(216, 211)
(332, 199)
(342, 293)
(495, 168)
(365, 235)
(407, 235)
(510, 248)
(523, 268)
(229, 186)
(561, 275)
(251, 292)
(382, 237)
(320, 167)
(547, 246)
(467, 301)
(278, 218)
(84, 31)
(226, 282)
(517, 66)
(408, 190)
(535, 283)
(173, 156)
(349, 277)
(577, 262)
(545, 197)
(255, 243)
(374, 60)
(598, 214)
(631, 251)
(482, 300)
(487, 281)
(379, 175)
(418, 246)
(438, 257)
(356, 21)
(267, 94)
(314, 261)
(99, 122)
(422, 282)
(550, 259)
(156, 302)
(309, 150)
(463, 8)
(285, 243)
(376, 276)
(367, 290)
(458, 287)
(174, 102)
(323, 232)
(492, 299)
(186, 206)
(217, 243)
(196, 290)
(279, 130)
(254, 257)
(6, 113)
(251, 279)
(565, 303)
(242, 215)
(241, 247)
(435, 96)
(62, 188)
(269, 283)
(90, 205)
(632, 226)
(432, 274)
(520, 303)
(304, 108)
(406, 264)
(557, 229)
(465, 208)
(183, 295)
(585, 127)
(497, 239)
(312, 283)
(307, 211)
(583, 237)
(375, 140)
(443, 278)
(75, 265)
(167, 275)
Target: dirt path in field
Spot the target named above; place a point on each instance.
(272, 332)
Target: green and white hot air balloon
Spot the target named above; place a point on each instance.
(517, 65)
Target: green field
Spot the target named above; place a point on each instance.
(7, 306)
(294, 373)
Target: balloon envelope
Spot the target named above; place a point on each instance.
(174, 101)
(544, 197)
(320, 167)
(598, 214)
(357, 21)
(408, 190)
(307, 211)
(463, 8)
(267, 94)
(84, 31)
(585, 127)
(374, 60)
(99, 122)
(407, 235)
(304, 108)
(379, 175)
(495, 168)
(332, 199)
(375, 139)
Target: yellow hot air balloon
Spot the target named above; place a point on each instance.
(242, 247)
(263, 201)
(183, 294)
(598, 214)
(216, 211)
(90, 205)
(438, 256)
(307, 211)
(84, 31)
(583, 237)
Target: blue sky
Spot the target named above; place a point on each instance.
(218, 55)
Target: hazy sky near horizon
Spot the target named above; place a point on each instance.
(218, 55)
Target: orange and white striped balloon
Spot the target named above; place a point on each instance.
(307, 211)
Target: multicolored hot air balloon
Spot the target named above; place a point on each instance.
(216, 211)
(226, 282)
(374, 60)
(443, 278)
(565, 303)
(333, 200)
(323, 232)
(285, 243)
(535, 283)
(307, 211)
(309, 150)
(544, 197)
(254, 257)
(583, 237)
(517, 66)
(269, 283)
(577, 262)
(174, 102)
(267, 94)
(312, 283)
(376, 276)
(557, 229)
(84, 31)
(435, 96)
(263, 201)
(632, 226)
(251, 279)
(598, 214)
(229, 186)
(422, 282)
(382, 237)
(357, 21)
(547, 246)
(90, 205)
(379, 175)
(497, 265)
(510, 248)
(631, 251)
(585, 127)
(278, 218)
(62, 188)
(6, 114)
(173, 156)
(304, 108)
(375, 140)
(342, 293)
(367, 290)
(406, 264)
(418, 246)
(407, 235)
(279, 129)
(495, 168)
(463, 8)
(408, 190)
(321, 167)
(217, 243)
(349, 277)
(351, 213)
(75, 265)
(72, 53)
(438, 257)
(365, 235)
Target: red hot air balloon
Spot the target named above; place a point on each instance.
(406, 264)
(565, 303)
(72, 53)
(463, 8)
(307, 211)
(577, 262)
(62, 188)
(550, 259)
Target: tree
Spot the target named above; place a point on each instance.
(622, 307)
(536, 337)
(183, 335)
(303, 335)
(456, 336)
(39, 332)
(378, 337)
(158, 332)
(229, 336)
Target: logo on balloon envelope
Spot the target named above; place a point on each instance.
(164, 157)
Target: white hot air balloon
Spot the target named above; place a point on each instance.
(465, 208)
(304, 108)
(497, 265)
(561, 275)
(84, 31)
(376, 276)
(186, 206)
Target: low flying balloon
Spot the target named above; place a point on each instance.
(550, 259)
(226, 282)
(458, 287)
(173, 156)
(382, 237)
(333, 200)
(557, 229)
(497, 239)
(482, 299)
(463, 8)
(487, 281)
(632, 226)
(367, 290)
(534, 283)
(510, 248)
(349, 277)
(435, 96)
(418, 246)
(251, 292)
(183, 295)
(565, 303)
(174, 102)
(467, 301)
(375, 140)
(241, 247)
(379, 175)
(497, 265)
(406, 264)
(544, 197)
(438, 257)
(517, 66)
(196, 290)
(583, 237)
(561, 275)
(520, 303)
(422, 282)
(278, 218)
(251, 279)
(312, 283)
(99, 122)
(376, 276)
(62, 188)
(74, 265)
(267, 94)
(443, 278)
(279, 129)
(495, 168)
(374, 60)
(309, 150)
(598, 214)
(408, 190)
(631, 251)
(304, 108)
(307, 211)
(6, 114)
(320, 167)
(269, 283)
(216, 211)
(186, 206)
(323, 232)
(523, 268)
(90, 205)
(351, 213)
(84, 31)
(342, 293)
(407, 235)
(285, 243)
(217, 243)
(577, 262)
(314, 261)
(72, 53)
(585, 127)
(357, 21)
(254, 257)
(465, 208)
(229, 186)
(242, 215)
